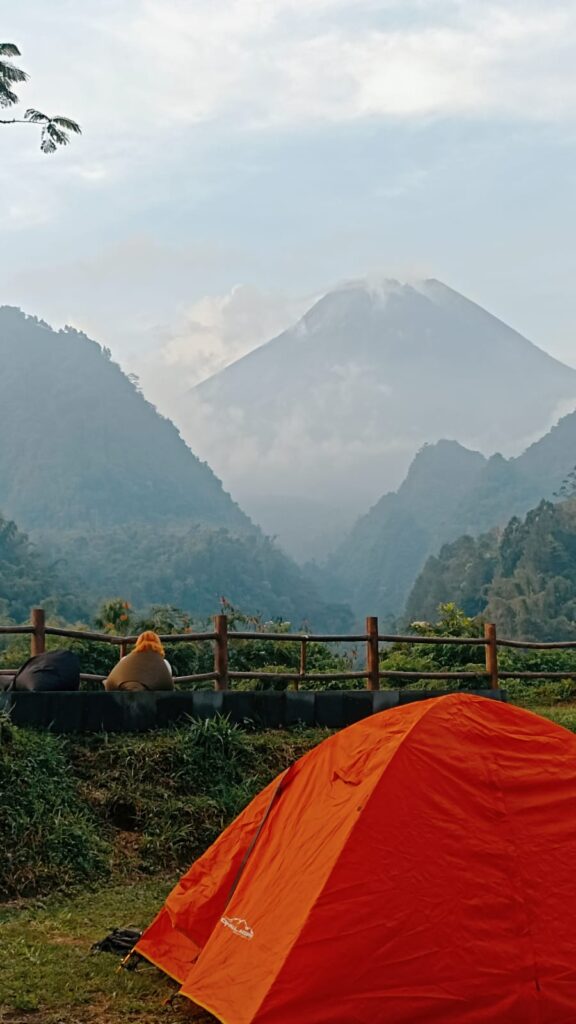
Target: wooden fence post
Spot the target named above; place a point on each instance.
(303, 662)
(38, 637)
(372, 654)
(123, 650)
(492, 654)
(221, 652)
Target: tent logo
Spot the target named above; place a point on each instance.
(239, 926)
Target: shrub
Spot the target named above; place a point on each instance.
(48, 836)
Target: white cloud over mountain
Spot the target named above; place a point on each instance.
(212, 333)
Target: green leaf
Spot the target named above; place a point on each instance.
(8, 73)
(36, 116)
(67, 124)
(7, 97)
(9, 50)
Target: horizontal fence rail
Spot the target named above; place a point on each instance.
(535, 645)
(221, 637)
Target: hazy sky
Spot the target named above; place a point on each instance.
(241, 156)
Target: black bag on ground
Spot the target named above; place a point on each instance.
(53, 670)
(120, 941)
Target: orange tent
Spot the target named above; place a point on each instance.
(417, 868)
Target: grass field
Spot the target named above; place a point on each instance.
(94, 833)
(49, 976)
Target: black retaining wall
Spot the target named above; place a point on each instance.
(85, 712)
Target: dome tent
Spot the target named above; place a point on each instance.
(415, 868)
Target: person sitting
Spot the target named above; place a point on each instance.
(145, 668)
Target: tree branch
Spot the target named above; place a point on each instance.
(54, 131)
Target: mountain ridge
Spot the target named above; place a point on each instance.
(90, 387)
(106, 485)
(352, 391)
(449, 492)
(521, 576)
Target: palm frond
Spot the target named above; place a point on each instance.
(9, 73)
(36, 116)
(47, 145)
(7, 97)
(9, 50)
(55, 130)
(52, 137)
(67, 124)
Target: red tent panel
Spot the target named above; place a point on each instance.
(416, 867)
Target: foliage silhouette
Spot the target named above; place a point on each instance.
(55, 130)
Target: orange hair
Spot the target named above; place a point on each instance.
(149, 641)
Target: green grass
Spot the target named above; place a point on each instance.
(48, 974)
(124, 815)
(48, 836)
(153, 802)
(562, 714)
(104, 807)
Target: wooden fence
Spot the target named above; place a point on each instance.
(371, 674)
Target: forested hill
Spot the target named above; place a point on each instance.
(449, 492)
(106, 486)
(27, 579)
(81, 445)
(523, 578)
(380, 559)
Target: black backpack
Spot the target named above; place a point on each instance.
(53, 670)
(120, 941)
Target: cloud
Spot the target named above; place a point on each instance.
(154, 82)
(219, 329)
(253, 63)
(124, 271)
(229, 123)
(283, 63)
(24, 212)
(211, 333)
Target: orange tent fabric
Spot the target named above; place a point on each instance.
(418, 867)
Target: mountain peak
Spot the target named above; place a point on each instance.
(382, 286)
(334, 409)
(377, 286)
(446, 462)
